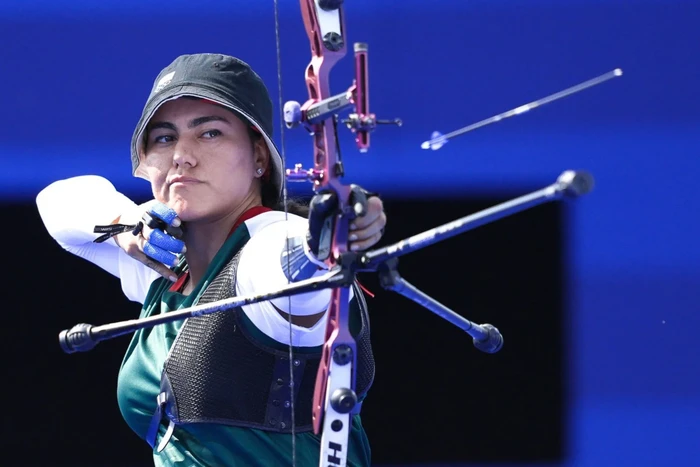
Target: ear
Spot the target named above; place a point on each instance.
(261, 155)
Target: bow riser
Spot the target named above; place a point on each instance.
(334, 395)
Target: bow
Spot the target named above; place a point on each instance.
(335, 399)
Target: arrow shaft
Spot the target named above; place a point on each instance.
(525, 108)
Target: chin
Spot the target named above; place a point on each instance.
(189, 214)
(192, 212)
(184, 209)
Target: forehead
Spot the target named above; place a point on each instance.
(188, 107)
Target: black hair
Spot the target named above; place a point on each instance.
(270, 196)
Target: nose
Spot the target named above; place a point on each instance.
(184, 155)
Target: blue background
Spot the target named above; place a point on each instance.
(76, 75)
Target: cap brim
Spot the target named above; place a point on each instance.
(137, 143)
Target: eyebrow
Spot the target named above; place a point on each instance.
(192, 124)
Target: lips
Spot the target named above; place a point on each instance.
(183, 180)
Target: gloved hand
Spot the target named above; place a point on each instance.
(149, 235)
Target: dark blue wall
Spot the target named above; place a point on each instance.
(75, 75)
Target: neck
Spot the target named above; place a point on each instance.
(204, 240)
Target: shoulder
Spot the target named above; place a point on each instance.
(277, 222)
(268, 234)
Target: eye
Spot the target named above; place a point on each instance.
(163, 139)
(211, 134)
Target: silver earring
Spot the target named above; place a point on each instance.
(259, 171)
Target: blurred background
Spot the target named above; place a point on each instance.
(598, 299)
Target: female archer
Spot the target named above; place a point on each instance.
(215, 390)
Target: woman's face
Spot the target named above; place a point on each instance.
(200, 160)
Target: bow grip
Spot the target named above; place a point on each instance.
(322, 210)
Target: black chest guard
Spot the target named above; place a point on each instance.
(218, 372)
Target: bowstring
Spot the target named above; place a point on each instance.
(286, 218)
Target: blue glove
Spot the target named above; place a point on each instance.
(163, 243)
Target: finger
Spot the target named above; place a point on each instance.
(160, 268)
(365, 244)
(166, 242)
(135, 250)
(376, 227)
(166, 214)
(159, 254)
(375, 209)
(360, 223)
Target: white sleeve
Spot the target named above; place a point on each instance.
(260, 270)
(71, 208)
